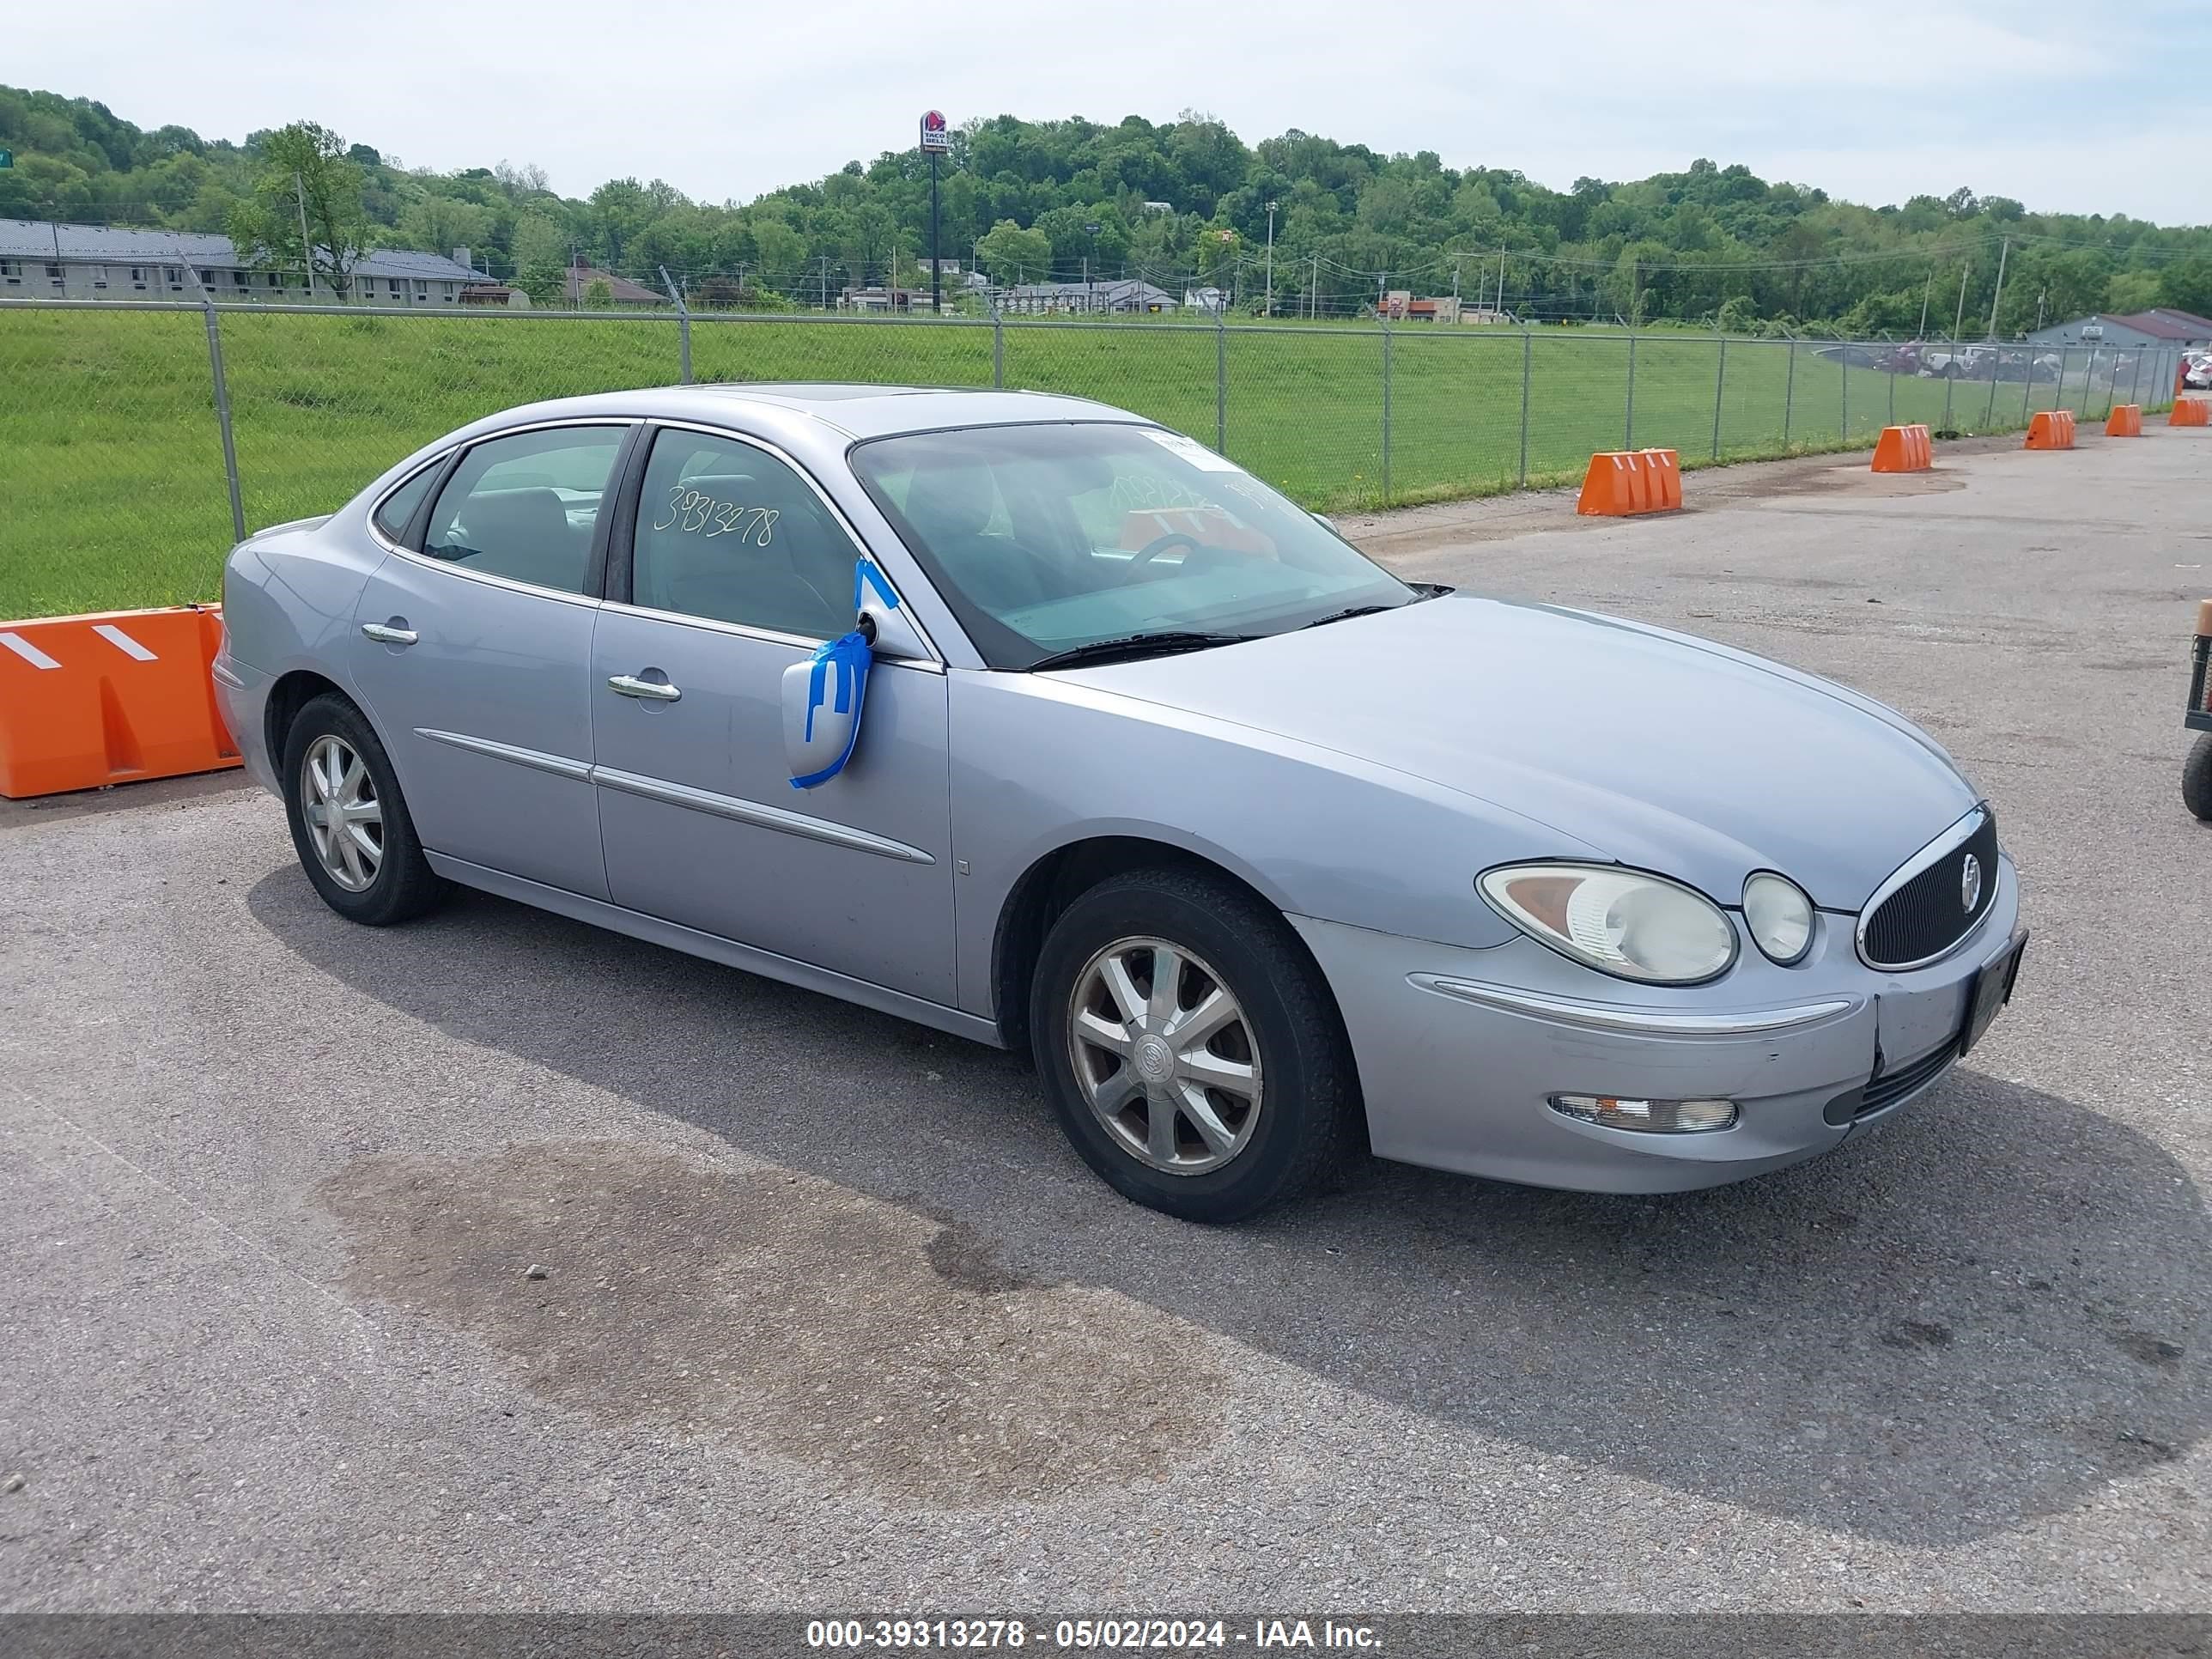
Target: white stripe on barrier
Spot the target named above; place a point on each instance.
(122, 642)
(29, 653)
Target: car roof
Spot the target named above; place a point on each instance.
(854, 411)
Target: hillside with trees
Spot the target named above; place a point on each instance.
(1179, 203)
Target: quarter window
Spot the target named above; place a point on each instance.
(524, 507)
(727, 531)
(397, 510)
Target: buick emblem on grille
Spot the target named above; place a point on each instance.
(1970, 883)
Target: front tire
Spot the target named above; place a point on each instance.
(2197, 777)
(349, 823)
(1191, 1048)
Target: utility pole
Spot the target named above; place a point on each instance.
(1270, 310)
(1960, 321)
(2003, 249)
(306, 248)
(825, 281)
(1926, 289)
(1313, 307)
(1089, 295)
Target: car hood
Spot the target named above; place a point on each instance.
(1643, 746)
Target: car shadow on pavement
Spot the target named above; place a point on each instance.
(1987, 1311)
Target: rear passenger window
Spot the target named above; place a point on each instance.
(727, 531)
(397, 510)
(523, 508)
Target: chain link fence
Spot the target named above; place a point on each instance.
(140, 440)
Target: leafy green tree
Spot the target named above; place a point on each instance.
(1010, 254)
(541, 259)
(2186, 285)
(306, 173)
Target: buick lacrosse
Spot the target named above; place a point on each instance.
(1028, 720)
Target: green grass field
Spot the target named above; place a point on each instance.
(111, 462)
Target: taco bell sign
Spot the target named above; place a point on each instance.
(936, 136)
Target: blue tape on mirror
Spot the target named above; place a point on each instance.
(837, 686)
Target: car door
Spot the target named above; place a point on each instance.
(472, 650)
(729, 566)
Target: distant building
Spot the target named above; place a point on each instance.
(1125, 296)
(876, 297)
(496, 294)
(621, 291)
(2134, 331)
(1211, 300)
(41, 260)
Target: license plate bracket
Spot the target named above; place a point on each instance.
(1993, 988)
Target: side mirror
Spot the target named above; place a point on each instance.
(821, 698)
(823, 695)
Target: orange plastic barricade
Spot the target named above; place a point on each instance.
(2124, 421)
(1904, 449)
(2190, 412)
(1624, 481)
(109, 698)
(2052, 428)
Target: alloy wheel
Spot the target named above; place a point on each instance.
(344, 818)
(1164, 1056)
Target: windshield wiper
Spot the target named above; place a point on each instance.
(1347, 615)
(1421, 591)
(1132, 646)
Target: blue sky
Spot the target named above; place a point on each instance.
(2062, 105)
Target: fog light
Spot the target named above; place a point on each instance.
(1658, 1117)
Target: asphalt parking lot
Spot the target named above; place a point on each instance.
(831, 1319)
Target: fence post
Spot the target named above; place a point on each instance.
(1789, 393)
(1990, 414)
(2027, 387)
(1843, 363)
(683, 324)
(2135, 378)
(998, 347)
(1629, 437)
(1386, 413)
(1720, 387)
(221, 404)
(1950, 383)
(1891, 376)
(1525, 352)
(1220, 377)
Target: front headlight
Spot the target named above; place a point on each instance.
(1618, 921)
(1779, 916)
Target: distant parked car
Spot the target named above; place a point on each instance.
(2197, 371)
(1026, 719)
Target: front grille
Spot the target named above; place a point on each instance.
(1887, 1090)
(1924, 917)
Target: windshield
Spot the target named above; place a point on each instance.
(1045, 539)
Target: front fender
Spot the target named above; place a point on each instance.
(1040, 764)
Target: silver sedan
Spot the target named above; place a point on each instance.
(1028, 719)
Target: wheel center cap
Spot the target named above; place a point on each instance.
(1155, 1060)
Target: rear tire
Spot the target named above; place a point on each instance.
(349, 823)
(1231, 1090)
(2197, 777)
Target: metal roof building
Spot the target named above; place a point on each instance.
(2160, 327)
(43, 260)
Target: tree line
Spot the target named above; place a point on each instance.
(1296, 224)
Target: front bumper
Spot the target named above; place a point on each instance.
(1459, 1051)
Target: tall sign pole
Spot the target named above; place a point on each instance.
(936, 139)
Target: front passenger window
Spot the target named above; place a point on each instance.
(729, 532)
(524, 507)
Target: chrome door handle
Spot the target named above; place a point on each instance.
(629, 685)
(385, 635)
